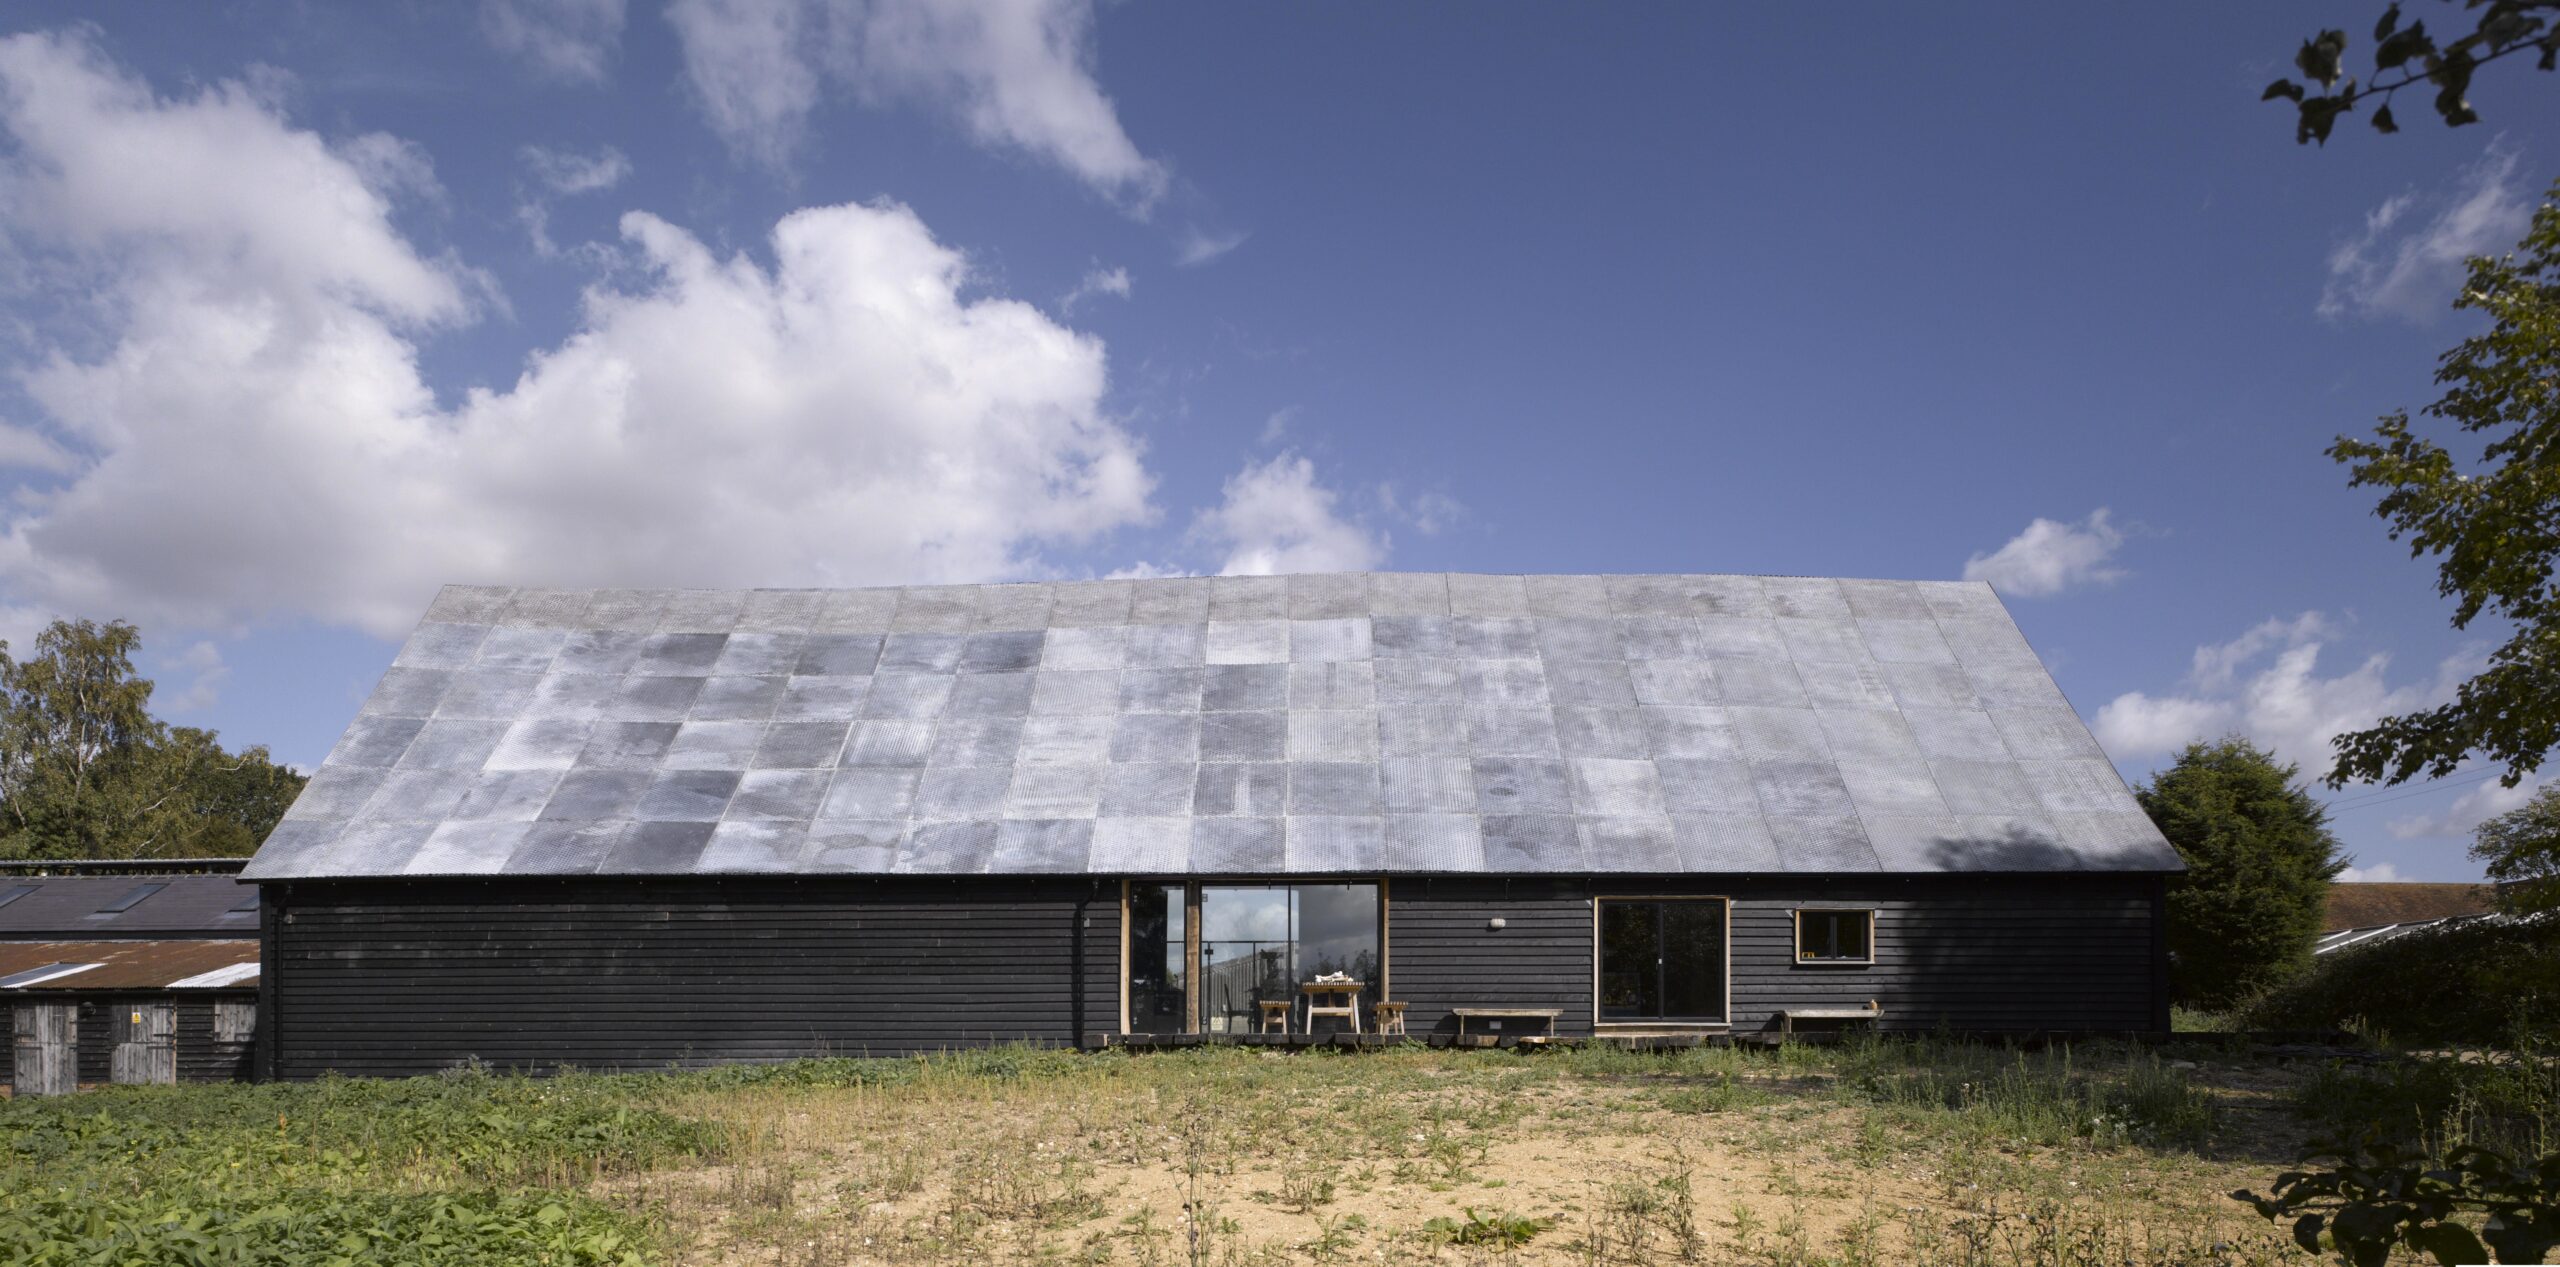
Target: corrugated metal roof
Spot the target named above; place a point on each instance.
(1230, 725)
(78, 906)
(128, 965)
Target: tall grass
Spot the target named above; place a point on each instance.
(2508, 1101)
(2047, 1096)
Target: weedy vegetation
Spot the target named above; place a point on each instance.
(1931, 1151)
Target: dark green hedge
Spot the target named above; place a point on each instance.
(2488, 981)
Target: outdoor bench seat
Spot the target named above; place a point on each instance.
(1465, 1014)
(1788, 1017)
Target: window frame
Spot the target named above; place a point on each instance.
(1605, 1024)
(1817, 961)
(1190, 887)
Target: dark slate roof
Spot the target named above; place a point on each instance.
(76, 906)
(1229, 725)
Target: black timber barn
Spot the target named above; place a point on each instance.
(628, 829)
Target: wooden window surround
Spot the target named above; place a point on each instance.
(1827, 928)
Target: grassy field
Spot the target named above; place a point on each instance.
(1924, 1153)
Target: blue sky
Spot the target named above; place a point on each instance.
(313, 307)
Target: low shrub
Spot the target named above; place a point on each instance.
(2508, 1101)
(1504, 1230)
(467, 1169)
(197, 1226)
(2042, 1097)
(2488, 981)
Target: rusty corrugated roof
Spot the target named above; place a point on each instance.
(2366, 905)
(129, 965)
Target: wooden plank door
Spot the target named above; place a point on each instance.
(47, 1036)
(146, 1043)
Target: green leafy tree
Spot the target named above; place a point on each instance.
(2494, 524)
(2520, 849)
(87, 772)
(2411, 57)
(2259, 861)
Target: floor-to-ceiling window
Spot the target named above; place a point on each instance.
(1662, 960)
(1257, 943)
(1158, 916)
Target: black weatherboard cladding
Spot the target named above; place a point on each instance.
(404, 978)
(2014, 954)
(394, 978)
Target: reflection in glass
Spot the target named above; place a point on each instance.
(1629, 984)
(1262, 943)
(1693, 960)
(1662, 961)
(1156, 956)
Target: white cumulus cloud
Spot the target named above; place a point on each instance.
(1017, 74)
(2378, 873)
(254, 438)
(572, 40)
(1276, 517)
(2051, 556)
(2408, 258)
(2266, 684)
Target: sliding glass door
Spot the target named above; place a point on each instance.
(1662, 960)
(1256, 943)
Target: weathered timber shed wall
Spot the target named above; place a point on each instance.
(391, 979)
(405, 978)
(202, 1057)
(203, 1054)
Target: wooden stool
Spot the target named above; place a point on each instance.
(1390, 1018)
(1275, 1014)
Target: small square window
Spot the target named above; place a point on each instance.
(1835, 936)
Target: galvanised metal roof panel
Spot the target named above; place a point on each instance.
(1417, 723)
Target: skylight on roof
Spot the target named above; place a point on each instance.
(131, 899)
(38, 976)
(245, 906)
(14, 892)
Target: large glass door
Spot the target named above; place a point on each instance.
(1255, 943)
(1662, 960)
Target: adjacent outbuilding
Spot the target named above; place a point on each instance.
(128, 976)
(620, 829)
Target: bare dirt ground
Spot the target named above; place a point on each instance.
(1248, 1157)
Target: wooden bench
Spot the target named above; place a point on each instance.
(1788, 1017)
(1500, 1014)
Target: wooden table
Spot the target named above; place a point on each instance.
(1348, 1009)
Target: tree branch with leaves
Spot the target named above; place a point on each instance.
(2408, 57)
(2493, 524)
